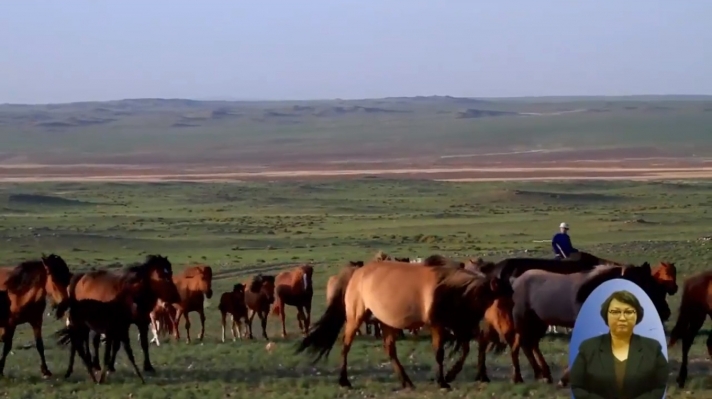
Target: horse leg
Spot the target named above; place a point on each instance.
(302, 319)
(250, 316)
(7, 337)
(696, 320)
(457, 367)
(349, 335)
(482, 343)
(143, 334)
(72, 354)
(108, 357)
(82, 347)
(545, 370)
(176, 325)
(516, 368)
(129, 353)
(307, 317)
(283, 318)
(201, 315)
(96, 342)
(389, 344)
(187, 328)
(39, 344)
(223, 316)
(155, 329)
(263, 320)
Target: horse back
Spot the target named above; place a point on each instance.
(99, 285)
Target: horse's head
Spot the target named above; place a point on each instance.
(666, 275)
(58, 277)
(643, 277)
(500, 287)
(263, 285)
(239, 289)
(201, 278)
(160, 275)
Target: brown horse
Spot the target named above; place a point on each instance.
(666, 274)
(259, 297)
(441, 297)
(695, 306)
(27, 286)
(150, 281)
(233, 302)
(294, 288)
(4, 308)
(193, 283)
(112, 319)
(544, 298)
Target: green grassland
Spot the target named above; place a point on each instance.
(239, 229)
(134, 131)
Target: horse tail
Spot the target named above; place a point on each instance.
(683, 319)
(64, 336)
(276, 308)
(325, 332)
(63, 306)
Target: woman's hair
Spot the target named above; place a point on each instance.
(625, 297)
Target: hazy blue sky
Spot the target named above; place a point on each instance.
(260, 49)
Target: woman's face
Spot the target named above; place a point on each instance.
(621, 317)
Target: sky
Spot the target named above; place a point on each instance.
(83, 50)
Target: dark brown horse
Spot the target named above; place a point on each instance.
(259, 297)
(194, 284)
(294, 288)
(448, 300)
(112, 319)
(544, 298)
(27, 286)
(151, 280)
(695, 306)
(233, 303)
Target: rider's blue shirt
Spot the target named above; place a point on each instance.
(562, 241)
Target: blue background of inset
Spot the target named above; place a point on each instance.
(590, 324)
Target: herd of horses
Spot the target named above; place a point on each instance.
(503, 304)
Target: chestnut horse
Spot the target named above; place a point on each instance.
(27, 286)
(233, 302)
(152, 280)
(259, 297)
(192, 283)
(294, 288)
(443, 298)
(695, 306)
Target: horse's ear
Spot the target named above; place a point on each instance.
(495, 284)
(646, 266)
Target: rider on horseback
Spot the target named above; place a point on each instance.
(561, 243)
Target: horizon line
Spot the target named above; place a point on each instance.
(256, 100)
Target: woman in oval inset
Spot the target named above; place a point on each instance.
(620, 364)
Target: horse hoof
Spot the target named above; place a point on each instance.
(148, 368)
(344, 383)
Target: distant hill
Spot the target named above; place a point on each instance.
(182, 130)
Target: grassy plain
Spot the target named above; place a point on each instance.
(177, 131)
(241, 228)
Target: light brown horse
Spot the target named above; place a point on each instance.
(193, 283)
(233, 303)
(259, 297)
(294, 288)
(151, 280)
(27, 286)
(441, 297)
(695, 306)
(666, 274)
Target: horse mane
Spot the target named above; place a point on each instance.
(238, 287)
(457, 278)
(595, 277)
(24, 275)
(357, 263)
(435, 260)
(258, 280)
